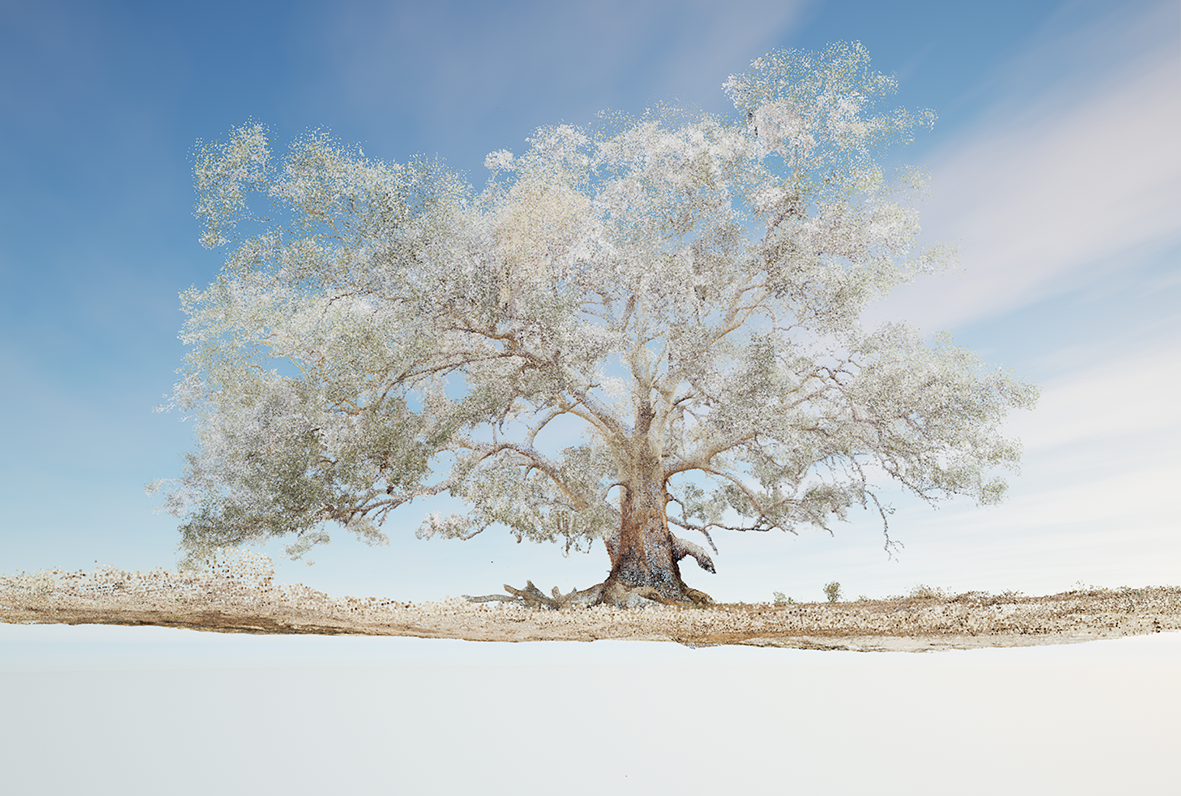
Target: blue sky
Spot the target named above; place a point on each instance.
(1054, 168)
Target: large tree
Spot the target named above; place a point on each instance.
(687, 287)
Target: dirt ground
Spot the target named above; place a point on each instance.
(242, 598)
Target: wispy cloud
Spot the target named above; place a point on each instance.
(1125, 400)
(1065, 182)
(452, 68)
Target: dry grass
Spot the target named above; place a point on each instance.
(236, 593)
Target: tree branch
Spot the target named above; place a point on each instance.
(536, 459)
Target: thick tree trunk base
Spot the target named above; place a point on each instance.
(620, 595)
(611, 592)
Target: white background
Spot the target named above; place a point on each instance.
(122, 710)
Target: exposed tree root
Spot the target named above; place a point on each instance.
(610, 593)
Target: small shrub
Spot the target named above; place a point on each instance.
(780, 599)
(925, 592)
(832, 591)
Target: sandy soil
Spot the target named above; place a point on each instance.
(240, 597)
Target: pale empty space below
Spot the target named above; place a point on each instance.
(100, 709)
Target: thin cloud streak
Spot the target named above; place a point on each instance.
(1108, 402)
(454, 68)
(1047, 195)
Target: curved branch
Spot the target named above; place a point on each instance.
(684, 523)
(682, 548)
(557, 411)
(537, 460)
(751, 496)
(700, 460)
(600, 416)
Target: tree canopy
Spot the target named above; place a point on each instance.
(687, 287)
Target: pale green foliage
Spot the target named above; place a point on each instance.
(925, 592)
(722, 265)
(832, 591)
(813, 110)
(223, 173)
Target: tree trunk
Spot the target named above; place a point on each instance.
(645, 566)
(644, 557)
